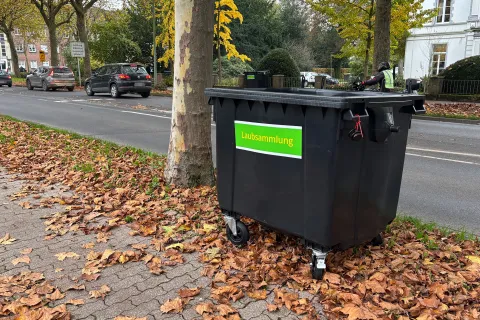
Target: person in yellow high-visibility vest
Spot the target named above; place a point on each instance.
(384, 77)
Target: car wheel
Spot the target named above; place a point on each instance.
(145, 94)
(54, 89)
(44, 86)
(88, 89)
(114, 91)
(29, 85)
(9, 85)
(70, 88)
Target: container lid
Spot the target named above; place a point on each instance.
(316, 98)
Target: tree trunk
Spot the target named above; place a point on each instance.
(369, 40)
(27, 63)
(367, 57)
(14, 54)
(381, 42)
(219, 52)
(400, 68)
(189, 160)
(82, 34)
(52, 34)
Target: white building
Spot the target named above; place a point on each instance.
(5, 54)
(452, 36)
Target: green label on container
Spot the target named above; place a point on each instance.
(271, 139)
(251, 77)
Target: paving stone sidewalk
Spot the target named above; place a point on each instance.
(134, 290)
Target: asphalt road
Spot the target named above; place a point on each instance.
(441, 179)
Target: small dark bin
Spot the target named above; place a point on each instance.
(256, 79)
(323, 165)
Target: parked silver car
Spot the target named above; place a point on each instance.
(51, 78)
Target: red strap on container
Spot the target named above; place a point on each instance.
(358, 125)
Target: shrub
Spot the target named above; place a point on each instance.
(168, 80)
(23, 74)
(279, 61)
(466, 69)
(231, 68)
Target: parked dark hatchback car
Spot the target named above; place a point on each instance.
(5, 78)
(51, 78)
(118, 79)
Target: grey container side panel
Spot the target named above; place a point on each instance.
(322, 128)
(268, 188)
(379, 187)
(367, 182)
(225, 134)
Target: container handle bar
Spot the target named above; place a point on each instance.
(350, 116)
(416, 108)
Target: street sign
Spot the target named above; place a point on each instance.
(78, 49)
(42, 56)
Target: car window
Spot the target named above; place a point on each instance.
(134, 69)
(101, 71)
(108, 70)
(115, 70)
(62, 70)
(3, 73)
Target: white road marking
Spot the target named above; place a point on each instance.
(444, 159)
(154, 115)
(80, 100)
(61, 101)
(147, 114)
(446, 152)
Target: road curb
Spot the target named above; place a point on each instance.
(442, 119)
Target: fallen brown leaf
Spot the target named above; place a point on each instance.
(101, 293)
(26, 251)
(22, 259)
(272, 307)
(63, 255)
(188, 293)
(225, 310)
(89, 245)
(204, 308)
(76, 302)
(175, 305)
(6, 239)
(258, 294)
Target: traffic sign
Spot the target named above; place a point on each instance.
(78, 49)
(42, 56)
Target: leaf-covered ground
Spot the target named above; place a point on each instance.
(453, 109)
(420, 272)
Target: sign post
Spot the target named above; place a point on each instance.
(42, 56)
(78, 51)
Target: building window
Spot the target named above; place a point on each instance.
(44, 48)
(16, 31)
(33, 64)
(444, 9)
(21, 64)
(19, 47)
(32, 48)
(438, 58)
(46, 64)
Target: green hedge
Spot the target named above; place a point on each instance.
(466, 69)
(279, 61)
(231, 68)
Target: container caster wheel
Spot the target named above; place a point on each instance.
(377, 241)
(318, 266)
(241, 236)
(317, 273)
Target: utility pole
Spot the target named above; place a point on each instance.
(154, 19)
